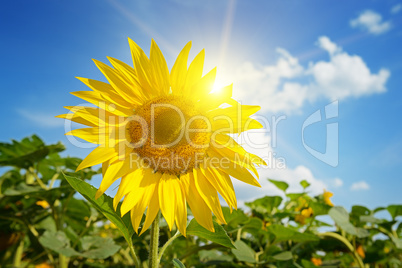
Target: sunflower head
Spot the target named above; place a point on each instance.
(170, 133)
(167, 136)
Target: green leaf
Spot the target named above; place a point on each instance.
(283, 233)
(253, 223)
(378, 209)
(304, 184)
(77, 212)
(96, 247)
(370, 219)
(295, 196)
(27, 152)
(104, 204)
(395, 210)
(341, 218)
(397, 242)
(243, 252)
(360, 210)
(47, 223)
(283, 256)
(265, 204)
(50, 195)
(319, 208)
(58, 242)
(219, 236)
(235, 218)
(214, 255)
(22, 189)
(280, 184)
(71, 234)
(178, 264)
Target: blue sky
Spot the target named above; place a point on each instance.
(291, 57)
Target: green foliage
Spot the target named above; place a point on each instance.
(219, 236)
(27, 152)
(104, 204)
(244, 252)
(178, 264)
(341, 218)
(304, 184)
(280, 184)
(43, 220)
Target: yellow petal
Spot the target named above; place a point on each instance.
(233, 156)
(73, 117)
(148, 186)
(91, 134)
(141, 195)
(238, 172)
(181, 210)
(208, 193)
(215, 99)
(97, 99)
(127, 71)
(204, 85)
(218, 184)
(202, 213)
(230, 125)
(98, 155)
(142, 69)
(128, 183)
(118, 83)
(97, 116)
(179, 71)
(194, 72)
(107, 91)
(105, 165)
(160, 70)
(223, 140)
(152, 212)
(116, 170)
(227, 182)
(144, 202)
(168, 189)
(223, 184)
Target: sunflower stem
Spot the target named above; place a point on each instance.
(18, 254)
(352, 249)
(137, 261)
(167, 244)
(154, 244)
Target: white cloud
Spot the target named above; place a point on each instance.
(358, 186)
(344, 75)
(41, 119)
(371, 22)
(336, 183)
(326, 44)
(396, 9)
(262, 83)
(287, 85)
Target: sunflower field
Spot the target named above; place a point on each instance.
(50, 218)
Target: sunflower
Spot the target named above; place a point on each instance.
(326, 196)
(167, 136)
